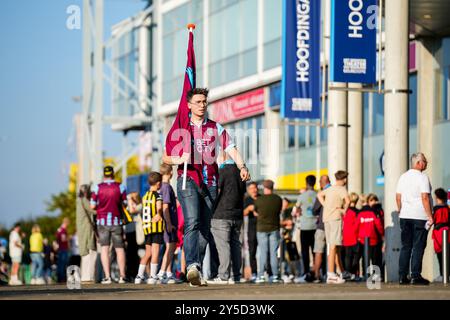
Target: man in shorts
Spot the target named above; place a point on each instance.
(319, 236)
(335, 201)
(107, 199)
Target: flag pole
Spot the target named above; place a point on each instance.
(191, 28)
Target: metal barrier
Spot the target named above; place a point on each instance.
(445, 256)
(366, 257)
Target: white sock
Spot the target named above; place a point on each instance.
(331, 274)
(153, 269)
(141, 270)
(169, 274)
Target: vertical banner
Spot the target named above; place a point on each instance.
(300, 84)
(353, 55)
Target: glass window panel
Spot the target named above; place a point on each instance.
(378, 114)
(301, 136)
(413, 100)
(366, 114)
(232, 48)
(291, 136)
(259, 126)
(312, 135)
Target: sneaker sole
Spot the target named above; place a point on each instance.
(193, 277)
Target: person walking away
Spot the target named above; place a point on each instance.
(86, 231)
(153, 225)
(442, 222)
(319, 236)
(369, 225)
(307, 221)
(15, 252)
(199, 195)
(350, 239)
(170, 215)
(267, 210)
(335, 201)
(252, 241)
(227, 221)
(63, 250)
(36, 253)
(414, 204)
(108, 199)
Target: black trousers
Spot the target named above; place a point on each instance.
(132, 258)
(352, 256)
(414, 241)
(252, 244)
(307, 243)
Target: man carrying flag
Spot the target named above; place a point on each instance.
(194, 141)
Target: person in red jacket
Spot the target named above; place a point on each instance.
(441, 223)
(369, 226)
(374, 203)
(350, 239)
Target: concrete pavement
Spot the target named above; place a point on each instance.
(348, 291)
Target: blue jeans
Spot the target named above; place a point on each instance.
(62, 264)
(197, 208)
(37, 265)
(414, 241)
(268, 243)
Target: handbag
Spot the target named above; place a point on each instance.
(140, 236)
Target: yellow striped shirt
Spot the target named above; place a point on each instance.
(149, 211)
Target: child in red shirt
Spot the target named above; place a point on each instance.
(441, 222)
(369, 226)
(350, 239)
(374, 203)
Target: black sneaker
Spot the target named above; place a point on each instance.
(420, 281)
(404, 280)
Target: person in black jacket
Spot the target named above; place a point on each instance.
(227, 221)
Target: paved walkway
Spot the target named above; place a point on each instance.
(350, 291)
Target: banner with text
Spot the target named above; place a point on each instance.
(353, 49)
(300, 85)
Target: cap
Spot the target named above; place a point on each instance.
(108, 170)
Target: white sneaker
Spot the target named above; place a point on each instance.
(33, 281)
(298, 280)
(232, 281)
(40, 281)
(334, 279)
(152, 280)
(172, 280)
(243, 280)
(122, 280)
(286, 279)
(260, 279)
(106, 281)
(15, 282)
(275, 279)
(139, 280)
(217, 280)
(194, 277)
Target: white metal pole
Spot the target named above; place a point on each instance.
(98, 93)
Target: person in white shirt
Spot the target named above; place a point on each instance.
(414, 205)
(15, 252)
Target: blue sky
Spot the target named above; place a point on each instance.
(40, 71)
